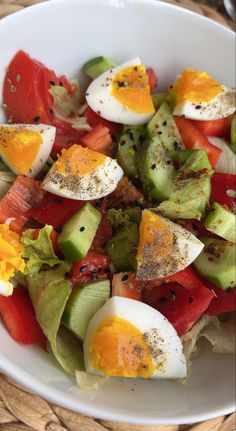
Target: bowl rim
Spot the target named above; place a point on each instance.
(22, 376)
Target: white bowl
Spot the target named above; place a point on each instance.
(64, 34)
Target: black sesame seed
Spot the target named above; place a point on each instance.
(190, 300)
(93, 277)
(198, 107)
(135, 148)
(164, 123)
(58, 200)
(51, 111)
(163, 299)
(169, 162)
(36, 119)
(122, 143)
(171, 86)
(83, 268)
(107, 271)
(61, 84)
(131, 135)
(160, 132)
(94, 270)
(125, 277)
(52, 83)
(82, 229)
(154, 166)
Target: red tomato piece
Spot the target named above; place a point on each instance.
(219, 128)
(99, 139)
(18, 315)
(23, 194)
(65, 136)
(54, 210)
(103, 234)
(223, 302)
(125, 193)
(223, 189)
(193, 138)
(182, 298)
(94, 266)
(196, 227)
(94, 119)
(25, 91)
(152, 78)
(125, 284)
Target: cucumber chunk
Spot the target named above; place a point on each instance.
(128, 147)
(217, 262)
(221, 222)
(122, 248)
(233, 134)
(82, 304)
(98, 65)
(78, 233)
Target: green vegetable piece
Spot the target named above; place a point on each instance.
(163, 125)
(181, 156)
(156, 169)
(221, 222)
(78, 233)
(126, 155)
(191, 189)
(158, 99)
(122, 248)
(217, 262)
(98, 65)
(83, 303)
(171, 98)
(233, 134)
(119, 217)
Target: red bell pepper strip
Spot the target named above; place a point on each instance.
(126, 285)
(194, 139)
(223, 189)
(94, 120)
(152, 78)
(103, 234)
(219, 128)
(99, 139)
(224, 301)
(18, 315)
(94, 266)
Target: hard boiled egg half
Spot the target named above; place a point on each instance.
(122, 94)
(164, 247)
(82, 174)
(25, 148)
(127, 338)
(200, 97)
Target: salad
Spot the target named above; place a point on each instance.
(117, 217)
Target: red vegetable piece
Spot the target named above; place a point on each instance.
(94, 266)
(103, 234)
(219, 128)
(94, 120)
(126, 285)
(18, 315)
(224, 301)
(152, 78)
(223, 189)
(99, 139)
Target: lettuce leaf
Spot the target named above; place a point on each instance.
(222, 335)
(49, 292)
(89, 382)
(38, 252)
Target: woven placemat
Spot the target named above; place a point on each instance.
(22, 411)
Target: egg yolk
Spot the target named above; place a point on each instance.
(19, 147)
(155, 238)
(78, 161)
(130, 87)
(119, 349)
(11, 251)
(196, 87)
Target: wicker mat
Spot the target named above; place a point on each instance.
(22, 411)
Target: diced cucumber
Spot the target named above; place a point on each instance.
(158, 99)
(221, 222)
(122, 248)
(181, 156)
(98, 65)
(128, 146)
(83, 303)
(78, 233)
(156, 169)
(233, 134)
(217, 262)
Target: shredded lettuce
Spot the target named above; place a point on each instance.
(69, 108)
(227, 160)
(49, 292)
(89, 382)
(222, 335)
(38, 252)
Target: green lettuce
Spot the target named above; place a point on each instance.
(89, 382)
(38, 252)
(49, 292)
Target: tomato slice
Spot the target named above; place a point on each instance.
(18, 315)
(103, 234)
(223, 302)
(125, 284)
(65, 136)
(93, 267)
(54, 210)
(219, 128)
(99, 139)
(94, 120)
(182, 298)
(152, 78)
(193, 138)
(24, 194)
(223, 189)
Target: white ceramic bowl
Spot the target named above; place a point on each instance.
(64, 34)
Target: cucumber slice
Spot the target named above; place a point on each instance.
(233, 134)
(181, 156)
(122, 248)
(217, 262)
(221, 222)
(128, 147)
(158, 99)
(163, 125)
(98, 65)
(156, 169)
(82, 304)
(78, 233)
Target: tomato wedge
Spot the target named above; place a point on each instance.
(103, 234)
(93, 267)
(152, 78)
(223, 189)
(18, 315)
(193, 138)
(219, 128)
(223, 302)
(95, 119)
(24, 194)
(125, 193)
(125, 284)
(99, 139)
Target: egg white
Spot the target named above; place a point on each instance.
(97, 184)
(161, 336)
(217, 108)
(48, 134)
(186, 248)
(6, 288)
(99, 98)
